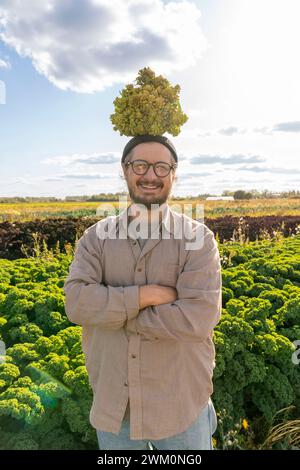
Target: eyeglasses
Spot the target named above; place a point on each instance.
(161, 169)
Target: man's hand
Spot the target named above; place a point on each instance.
(154, 294)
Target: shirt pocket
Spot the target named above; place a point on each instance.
(168, 275)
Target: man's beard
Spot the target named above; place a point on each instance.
(147, 202)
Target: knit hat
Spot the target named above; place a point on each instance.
(138, 139)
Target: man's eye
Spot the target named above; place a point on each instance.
(140, 165)
(162, 168)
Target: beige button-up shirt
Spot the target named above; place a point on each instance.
(160, 358)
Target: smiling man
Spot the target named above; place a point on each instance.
(148, 305)
(149, 187)
(149, 176)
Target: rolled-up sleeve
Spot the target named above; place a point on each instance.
(88, 301)
(197, 310)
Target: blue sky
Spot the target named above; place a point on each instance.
(63, 63)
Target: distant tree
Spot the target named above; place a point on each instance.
(241, 194)
(227, 192)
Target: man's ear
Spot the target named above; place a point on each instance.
(122, 173)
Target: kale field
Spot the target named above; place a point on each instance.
(45, 394)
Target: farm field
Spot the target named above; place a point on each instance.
(45, 396)
(212, 209)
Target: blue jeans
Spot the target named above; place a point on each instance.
(197, 437)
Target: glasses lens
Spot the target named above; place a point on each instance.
(162, 169)
(139, 167)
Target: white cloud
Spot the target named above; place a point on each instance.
(262, 169)
(88, 45)
(84, 159)
(86, 176)
(193, 133)
(4, 64)
(205, 159)
(231, 130)
(291, 126)
(33, 180)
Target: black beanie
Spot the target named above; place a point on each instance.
(138, 139)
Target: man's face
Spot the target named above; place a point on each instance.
(152, 152)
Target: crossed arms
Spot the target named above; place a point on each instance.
(188, 312)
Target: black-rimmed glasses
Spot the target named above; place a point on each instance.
(161, 169)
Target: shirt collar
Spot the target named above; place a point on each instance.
(166, 218)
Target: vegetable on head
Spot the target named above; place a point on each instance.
(150, 108)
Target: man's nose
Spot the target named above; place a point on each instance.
(150, 173)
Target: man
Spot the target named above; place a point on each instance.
(148, 306)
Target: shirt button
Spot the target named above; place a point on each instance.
(126, 384)
(139, 269)
(133, 355)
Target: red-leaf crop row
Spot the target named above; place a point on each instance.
(64, 230)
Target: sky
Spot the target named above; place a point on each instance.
(62, 64)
